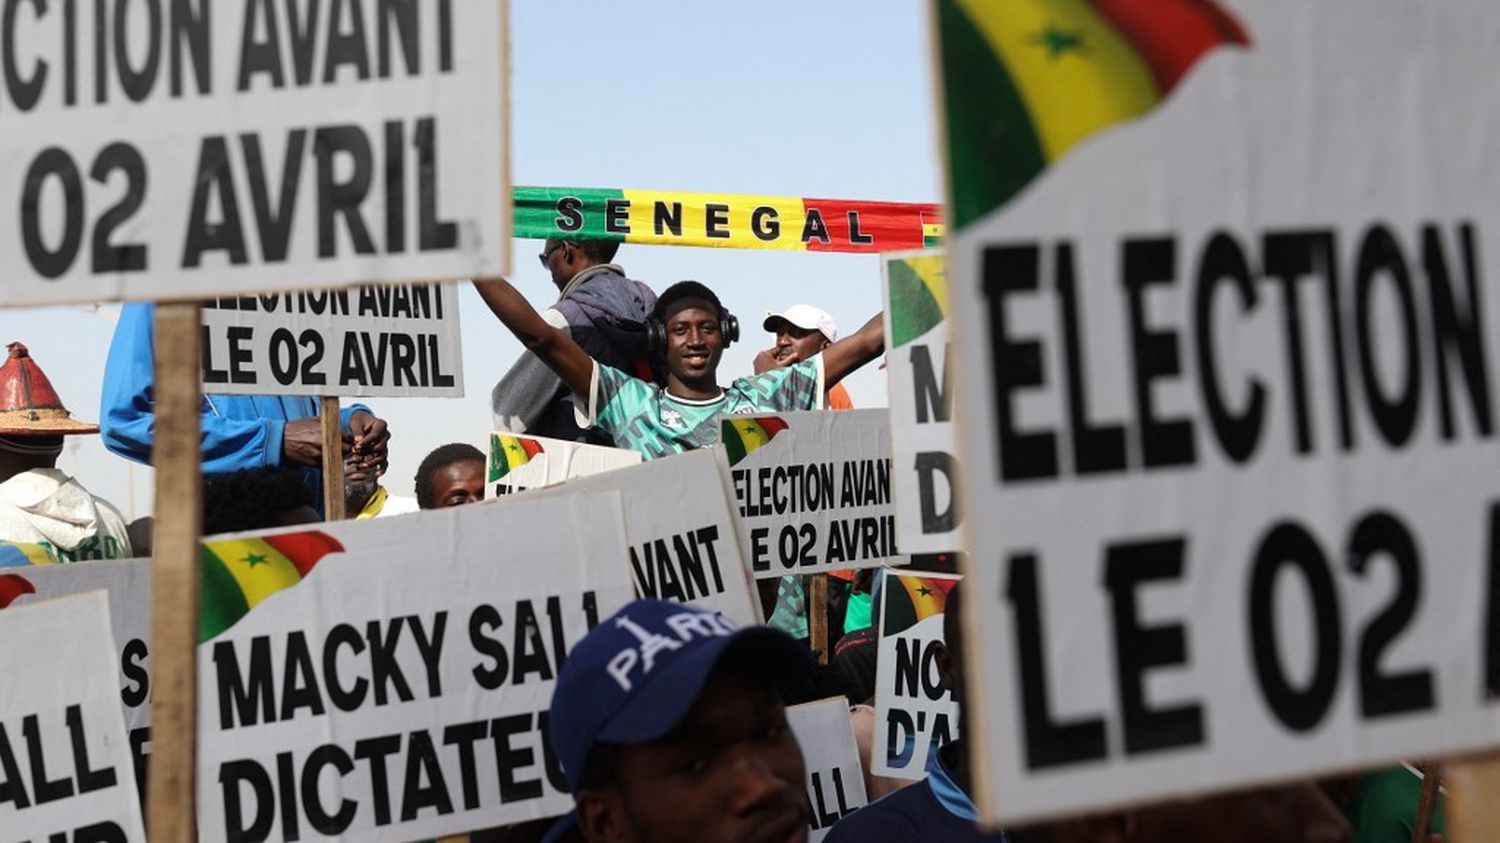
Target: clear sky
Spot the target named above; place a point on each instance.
(830, 99)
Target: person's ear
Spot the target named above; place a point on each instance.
(601, 817)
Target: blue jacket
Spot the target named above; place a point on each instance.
(239, 431)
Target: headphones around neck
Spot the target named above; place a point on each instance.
(656, 332)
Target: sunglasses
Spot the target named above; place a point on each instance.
(548, 253)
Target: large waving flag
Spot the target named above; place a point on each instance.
(1026, 80)
(239, 573)
(743, 436)
(508, 453)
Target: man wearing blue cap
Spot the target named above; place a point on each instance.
(669, 729)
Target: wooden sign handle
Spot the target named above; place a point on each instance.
(175, 575)
(817, 616)
(1426, 802)
(333, 460)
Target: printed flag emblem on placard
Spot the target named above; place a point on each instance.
(743, 436)
(1029, 79)
(919, 297)
(914, 599)
(13, 586)
(508, 453)
(240, 573)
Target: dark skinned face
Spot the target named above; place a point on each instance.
(731, 772)
(458, 483)
(794, 344)
(694, 345)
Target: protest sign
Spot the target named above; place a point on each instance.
(518, 462)
(729, 221)
(399, 340)
(400, 688)
(127, 582)
(813, 490)
(60, 723)
(920, 379)
(173, 151)
(835, 777)
(1227, 373)
(915, 712)
(682, 538)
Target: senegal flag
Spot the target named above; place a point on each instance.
(1026, 80)
(909, 599)
(742, 436)
(919, 296)
(508, 453)
(239, 573)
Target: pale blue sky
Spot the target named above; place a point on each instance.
(829, 99)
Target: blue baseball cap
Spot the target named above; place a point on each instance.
(635, 676)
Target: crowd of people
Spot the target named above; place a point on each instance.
(690, 740)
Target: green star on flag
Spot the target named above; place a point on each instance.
(254, 559)
(1058, 41)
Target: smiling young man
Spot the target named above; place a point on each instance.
(668, 728)
(690, 324)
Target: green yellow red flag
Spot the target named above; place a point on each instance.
(723, 220)
(508, 453)
(240, 573)
(919, 296)
(910, 599)
(742, 436)
(1027, 80)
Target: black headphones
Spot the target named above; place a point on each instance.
(656, 331)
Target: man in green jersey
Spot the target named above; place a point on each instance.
(690, 329)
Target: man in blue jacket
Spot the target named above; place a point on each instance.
(239, 431)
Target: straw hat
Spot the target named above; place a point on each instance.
(29, 406)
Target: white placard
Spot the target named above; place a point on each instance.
(127, 582)
(683, 545)
(195, 149)
(835, 777)
(407, 677)
(1229, 395)
(920, 379)
(915, 712)
(813, 490)
(60, 723)
(398, 340)
(519, 462)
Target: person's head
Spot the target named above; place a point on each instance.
(452, 475)
(359, 485)
(950, 659)
(33, 420)
(1294, 813)
(564, 259)
(668, 727)
(801, 331)
(258, 499)
(693, 329)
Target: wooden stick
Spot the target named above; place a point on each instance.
(1426, 802)
(1473, 813)
(175, 574)
(333, 461)
(454, 838)
(817, 616)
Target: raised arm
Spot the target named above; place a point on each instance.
(853, 351)
(551, 345)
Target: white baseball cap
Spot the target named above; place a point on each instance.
(806, 317)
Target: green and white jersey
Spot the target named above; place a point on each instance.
(644, 417)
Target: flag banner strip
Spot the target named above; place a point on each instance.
(728, 221)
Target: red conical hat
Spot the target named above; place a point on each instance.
(29, 406)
